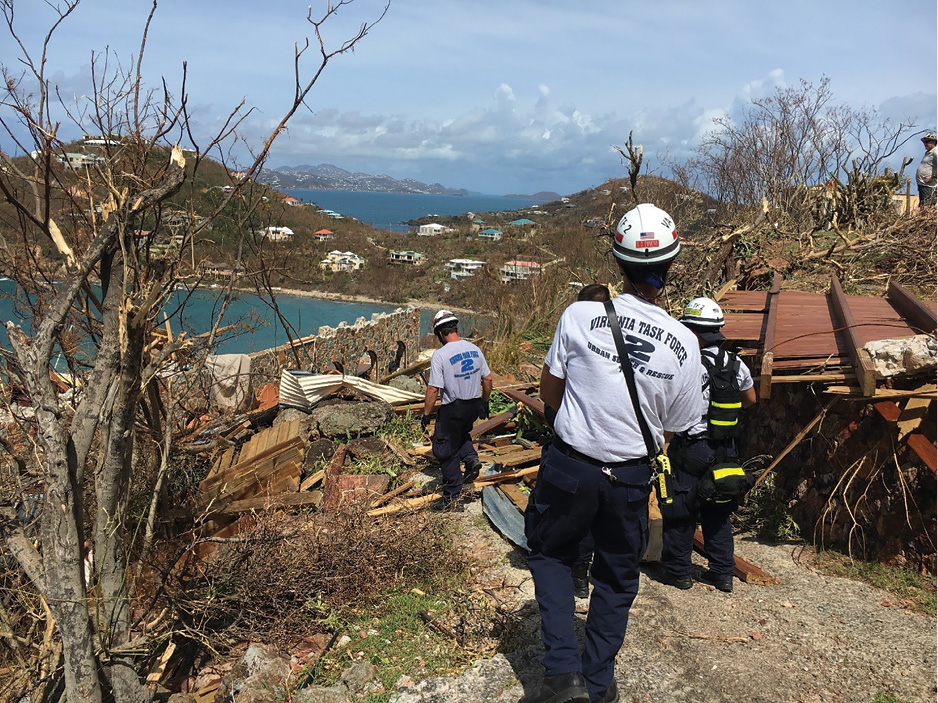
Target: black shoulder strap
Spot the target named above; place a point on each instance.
(629, 374)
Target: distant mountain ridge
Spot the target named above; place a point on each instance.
(329, 177)
(542, 196)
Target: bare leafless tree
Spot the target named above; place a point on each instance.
(84, 238)
(785, 149)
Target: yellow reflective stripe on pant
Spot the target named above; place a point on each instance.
(727, 406)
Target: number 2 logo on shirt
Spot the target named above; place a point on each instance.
(466, 366)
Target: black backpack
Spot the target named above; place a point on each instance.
(725, 399)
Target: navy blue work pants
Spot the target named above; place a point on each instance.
(452, 444)
(681, 517)
(571, 500)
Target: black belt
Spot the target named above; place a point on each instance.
(569, 451)
(693, 437)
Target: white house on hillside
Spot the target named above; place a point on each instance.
(432, 229)
(277, 234)
(342, 261)
(519, 270)
(463, 268)
(492, 234)
(413, 258)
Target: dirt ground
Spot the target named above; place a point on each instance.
(811, 638)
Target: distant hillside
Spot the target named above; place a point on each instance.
(329, 177)
(542, 197)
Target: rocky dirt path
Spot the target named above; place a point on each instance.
(811, 638)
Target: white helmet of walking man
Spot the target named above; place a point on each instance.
(443, 318)
(703, 313)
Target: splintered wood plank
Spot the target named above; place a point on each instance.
(311, 481)
(925, 449)
(913, 413)
(223, 463)
(745, 571)
(203, 550)
(888, 409)
(515, 495)
(492, 423)
(516, 458)
(883, 393)
(332, 496)
(206, 694)
(243, 467)
(399, 451)
(159, 668)
(914, 311)
(504, 476)
(276, 501)
(768, 346)
(391, 495)
(259, 472)
(519, 397)
(862, 363)
(282, 476)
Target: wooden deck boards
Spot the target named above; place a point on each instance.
(807, 334)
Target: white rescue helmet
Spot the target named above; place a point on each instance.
(443, 317)
(703, 314)
(646, 235)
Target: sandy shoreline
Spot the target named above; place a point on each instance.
(340, 298)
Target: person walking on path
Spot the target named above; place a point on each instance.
(926, 176)
(460, 378)
(711, 441)
(596, 475)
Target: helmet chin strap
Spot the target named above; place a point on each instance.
(654, 298)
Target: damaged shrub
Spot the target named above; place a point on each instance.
(294, 577)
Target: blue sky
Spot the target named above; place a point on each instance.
(510, 95)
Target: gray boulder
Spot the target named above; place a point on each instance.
(351, 419)
(262, 676)
(908, 356)
(358, 680)
(322, 694)
(407, 383)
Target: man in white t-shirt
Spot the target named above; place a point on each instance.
(926, 175)
(711, 441)
(596, 475)
(460, 378)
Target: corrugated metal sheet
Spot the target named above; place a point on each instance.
(302, 389)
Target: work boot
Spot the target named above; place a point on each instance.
(581, 582)
(668, 579)
(472, 471)
(611, 695)
(447, 505)
(721, 583)
(563, 688)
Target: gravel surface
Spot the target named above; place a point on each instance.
(810, 638)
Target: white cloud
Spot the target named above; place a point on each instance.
(497, 96)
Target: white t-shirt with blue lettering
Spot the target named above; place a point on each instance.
(457, 369)
(597, 416)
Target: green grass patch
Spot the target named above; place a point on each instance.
(884, 697)
(915, 591)
(395, 637)
(404, 429)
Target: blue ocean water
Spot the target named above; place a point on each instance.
(391, 210)
(262, 329)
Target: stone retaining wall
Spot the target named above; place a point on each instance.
(387, 339)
